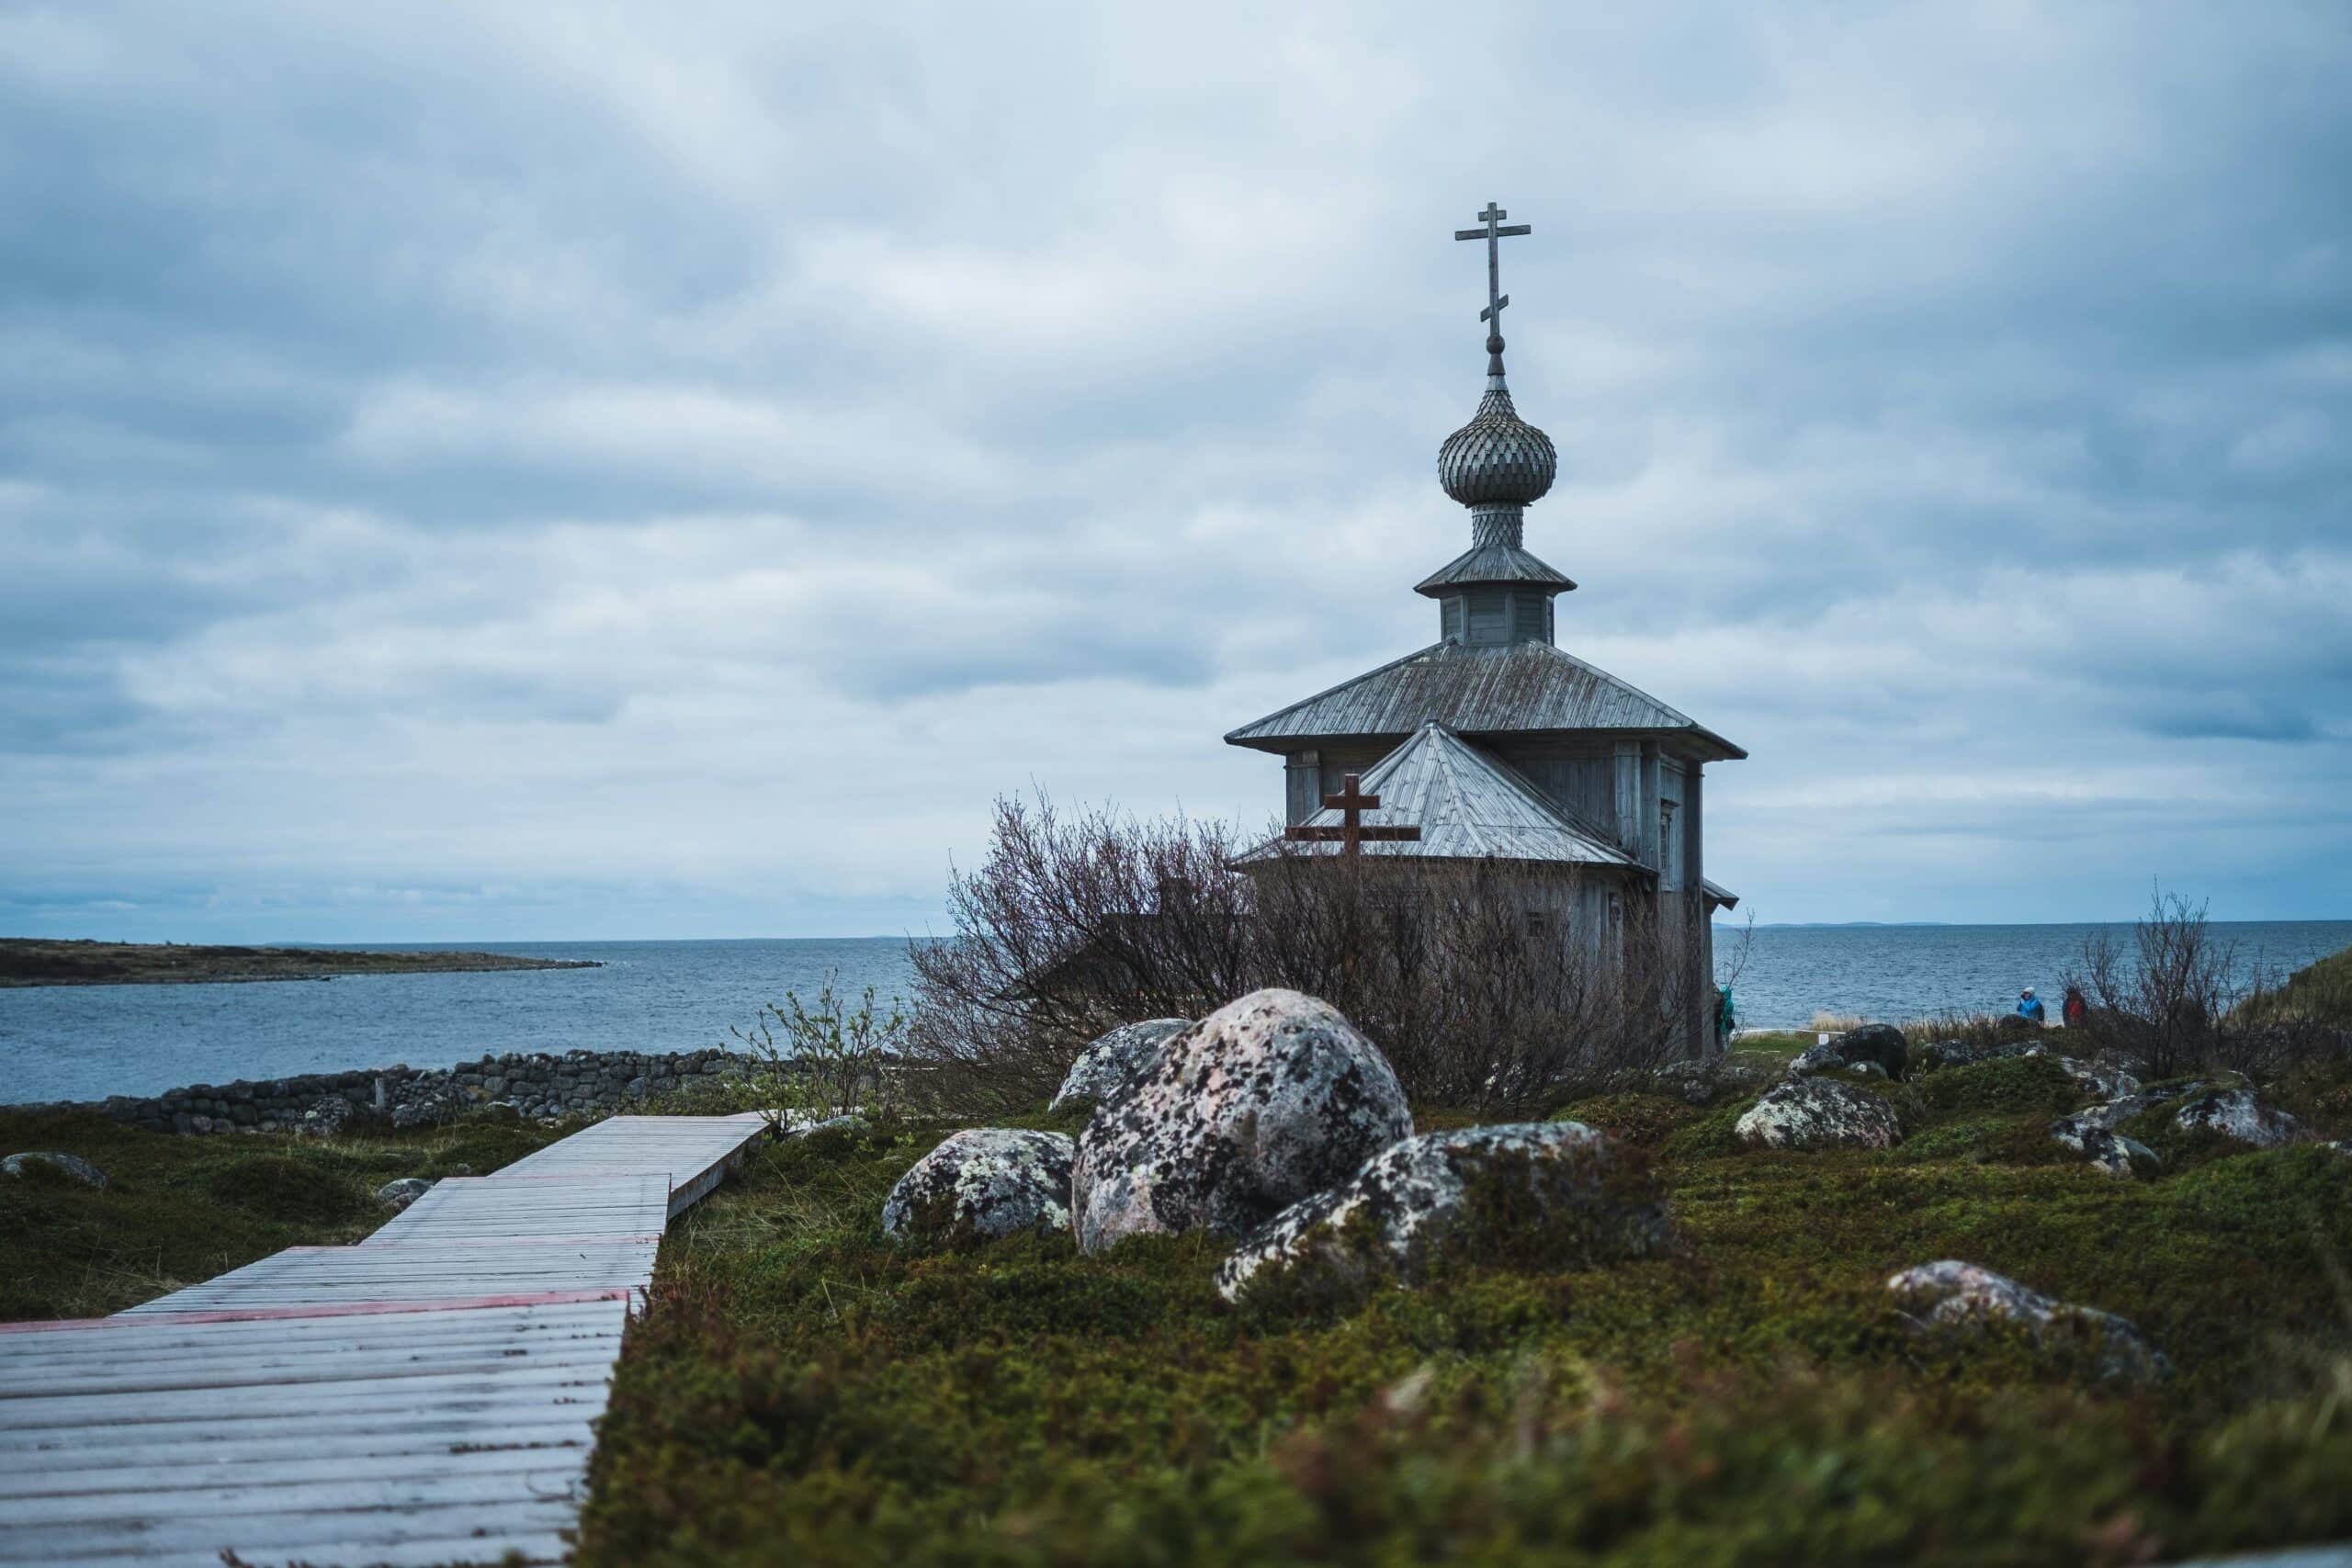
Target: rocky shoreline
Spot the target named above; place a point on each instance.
(519, 1084)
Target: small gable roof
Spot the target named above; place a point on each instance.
(1517, 688)
(1468, 805)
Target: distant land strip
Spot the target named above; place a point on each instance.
(34, 960)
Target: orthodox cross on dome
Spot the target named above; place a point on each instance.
(1493, 233)
(1351, 802)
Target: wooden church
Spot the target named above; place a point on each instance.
(1492, 742)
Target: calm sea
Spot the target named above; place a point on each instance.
(87, 1041)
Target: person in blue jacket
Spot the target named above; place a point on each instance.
(2029, 1004)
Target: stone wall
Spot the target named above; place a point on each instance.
(534, 1085)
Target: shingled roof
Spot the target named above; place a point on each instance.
(1515, 689)
(1467, 805)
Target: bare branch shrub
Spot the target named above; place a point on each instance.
(826, 1058)
(1073, 925)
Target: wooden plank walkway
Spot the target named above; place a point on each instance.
(424, 1397)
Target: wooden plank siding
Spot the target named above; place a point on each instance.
(426, 1396)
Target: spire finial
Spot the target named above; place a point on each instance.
(1493, 233)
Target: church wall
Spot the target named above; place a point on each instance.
(1673, 839)
(1580, 780)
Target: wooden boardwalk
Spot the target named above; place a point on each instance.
(422, 1397)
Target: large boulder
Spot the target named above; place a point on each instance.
(790, 1125)
(1551, 1193)
(1114, 1058)
(2109, 1115)
(1816, 1113)
(1266, 1101)
(982, 1184)
(1954, 1297)
(1873, 1047)
(1704, 1080)
(73, 1168)
(399, 1195)
(2236, 1114)
(2105, 1148)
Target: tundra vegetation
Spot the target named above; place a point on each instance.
(807, 1387)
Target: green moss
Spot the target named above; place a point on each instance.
(2013, 1084)
(1785, 1044)
(801, 1390)
(1643, 1120)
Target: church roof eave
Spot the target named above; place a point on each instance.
(1525, 688)
(1492, 563)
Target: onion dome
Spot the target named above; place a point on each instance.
(1497, 457)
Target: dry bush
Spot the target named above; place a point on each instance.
(2178, 999)
(1075, 924)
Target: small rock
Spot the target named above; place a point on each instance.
(1265, 1102)
(802, 1123)
(1951, 1295)
(1558, 1191)
(2235, 1113)
(1814, 1113)
(399, 1195)
(1878, 1044)
(2108, 1150)
(72, 1166)
(1114, 1058)
(981, 1184)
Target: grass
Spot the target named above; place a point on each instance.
(181, 1210)
(2318, 993)
(802, 1390)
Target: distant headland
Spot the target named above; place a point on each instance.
(41, 961)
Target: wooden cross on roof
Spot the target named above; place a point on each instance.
(1493, 233)
(1351, 802)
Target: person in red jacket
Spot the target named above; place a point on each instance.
(2073, 1009)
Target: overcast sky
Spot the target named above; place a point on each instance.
(595, 471)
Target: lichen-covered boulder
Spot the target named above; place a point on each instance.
(399, 1195)
(2236, 1114)
(2109, 1115)
(73, 1168)
(1551, 1193)
(1819, 1114)
(1955, 1297)
(1874, 1045)
(982, 1184)
(1265, 1102)
(1703, 1080)
(1114, 1058)
(2099, 1080)
(2106, 1149)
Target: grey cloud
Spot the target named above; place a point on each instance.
(545, 406)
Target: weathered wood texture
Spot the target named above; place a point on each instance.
(424, 1397)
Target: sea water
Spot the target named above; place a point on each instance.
(87, 1041)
